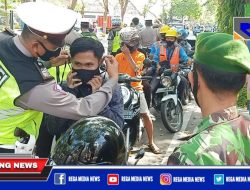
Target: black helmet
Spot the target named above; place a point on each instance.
(95, 140)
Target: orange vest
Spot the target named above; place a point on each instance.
(175, 59)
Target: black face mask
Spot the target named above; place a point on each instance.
(131, 48)
(86, 75)
(170, 43)
(49, 54)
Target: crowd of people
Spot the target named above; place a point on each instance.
(34, 101)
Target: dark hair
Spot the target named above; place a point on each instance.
(26, 33)
(85, 44)
(148, 23)
(135, 21)
(221, 81)
(85, 25)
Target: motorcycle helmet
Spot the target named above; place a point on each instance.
(129, 36)
(163, 31)
(183, 33)
(91, 141)
(171, 33)
(116, 22)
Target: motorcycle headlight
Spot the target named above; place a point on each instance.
(166, 81)
(126, 94)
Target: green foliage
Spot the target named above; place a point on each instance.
(147, 7)
(228, 9)
(190, 8)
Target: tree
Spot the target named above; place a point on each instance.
(182, 8)
(227, 9)
(105, 14)
(147, 7)
(123, 4)
(73, 4)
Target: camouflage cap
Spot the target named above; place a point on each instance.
(220, 52)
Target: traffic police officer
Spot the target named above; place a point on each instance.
(26, 87)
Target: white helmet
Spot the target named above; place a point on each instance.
(129, 36)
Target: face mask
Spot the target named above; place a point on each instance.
(86, 75)
(170, 43)
(49, 54)
(131, 48)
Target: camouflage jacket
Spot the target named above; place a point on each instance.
(223, 138)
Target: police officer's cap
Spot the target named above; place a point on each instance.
(47, 20)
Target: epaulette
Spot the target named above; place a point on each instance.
(9, 32)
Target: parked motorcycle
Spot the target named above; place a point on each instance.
(167, 102)
(133, 126)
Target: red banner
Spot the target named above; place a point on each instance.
(22, 165)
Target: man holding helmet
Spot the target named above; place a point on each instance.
(131, 63)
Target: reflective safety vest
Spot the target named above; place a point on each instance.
(175, 59)
(116, 42)
(63, 72)
(12, 116)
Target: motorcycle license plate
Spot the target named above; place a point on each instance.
(128, 114)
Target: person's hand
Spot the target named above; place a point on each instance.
(73, 82)
(190, 62)
(60, 59)
(174, 68)
(95, 83)
(112, 66)
(125, 50)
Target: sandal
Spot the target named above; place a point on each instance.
(153, 148)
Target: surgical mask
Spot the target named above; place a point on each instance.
(49, 54)
(86, 75)
(170, 43)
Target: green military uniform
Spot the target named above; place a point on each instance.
(222, 138)
(89, 35)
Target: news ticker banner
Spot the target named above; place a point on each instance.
(34, 173)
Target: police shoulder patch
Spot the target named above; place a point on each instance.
(3, 76)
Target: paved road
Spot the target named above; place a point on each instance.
(165, 140)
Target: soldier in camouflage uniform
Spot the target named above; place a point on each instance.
(223, 136)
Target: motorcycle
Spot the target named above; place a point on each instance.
(187, 95)
(167, 101)
(133, 126)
